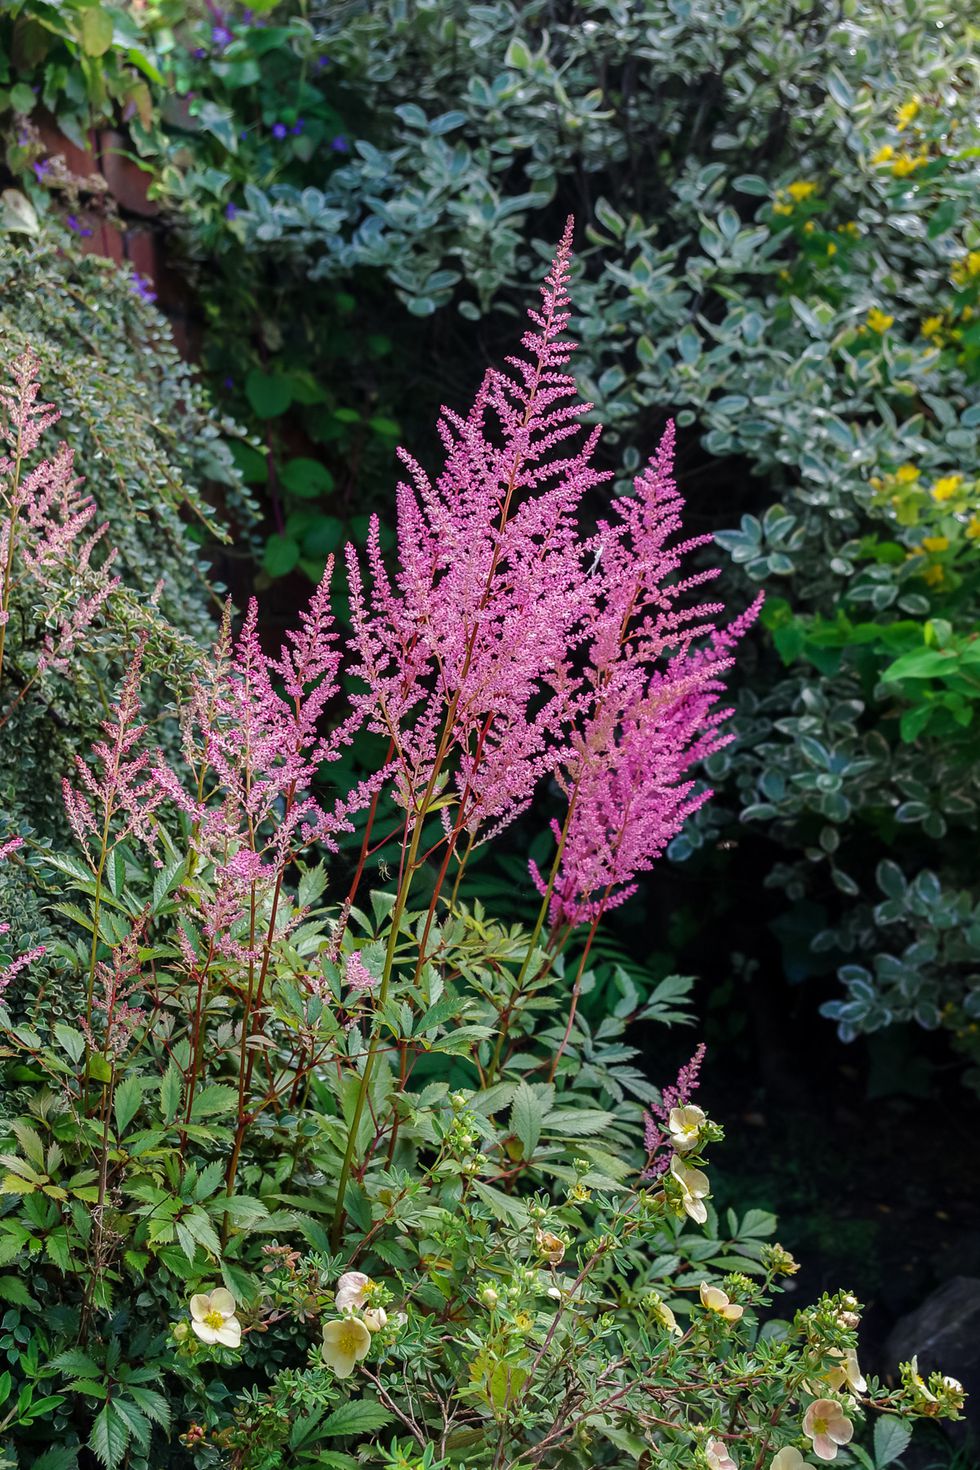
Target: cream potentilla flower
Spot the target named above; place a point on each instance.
(213, 1318)
(352, 1291)
(374, 1318)
(663, 1314)
(788, 1458)
(694, 1189)
(684, 1127)
(825, 1424)
(345, 1342)
(846, 1373)
(719, 1301)
(550, 1246)
(719, 1456)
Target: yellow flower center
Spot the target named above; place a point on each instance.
(350, 1340)
(820, 1426)
(214, 1319)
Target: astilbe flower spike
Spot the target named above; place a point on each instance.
(468, 654)
(47, 535)
(118, 797)
(252, 735)
(21, 961)
(652, 716)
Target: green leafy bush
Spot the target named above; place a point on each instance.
(147, 447)
(306, 1175)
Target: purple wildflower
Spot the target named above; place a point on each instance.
(41, 169)
(75, 224)
(142, 288)
(298, 126)
(280, 131)
(199, 53)
(231, 210)
(221, 36)
(340, 144)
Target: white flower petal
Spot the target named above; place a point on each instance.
(222, 1301)
(200, 1306)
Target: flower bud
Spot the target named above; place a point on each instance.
(489, 1296)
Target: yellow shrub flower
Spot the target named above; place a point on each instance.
(906, 113)
(831, 248)
(934, 575)
(845, 1372)
(694, 1189)
(779, 208)
(973, 528)
(825, 1424)
(809, 227)
(685, 1126)
(719, 1456)
(907, 163)
(935, 543)
(878, 320)
(931, 326)
(801, 189)
(906, 473)
(884, 155)
(716, 1300)
(213, 1318)
(345, 1342)
(966, 268)
(947, 487)
(788, 1458)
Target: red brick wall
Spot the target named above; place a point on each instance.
(130, 229)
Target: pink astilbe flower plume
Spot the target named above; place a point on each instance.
(252, 735)
(10, 971)
(117, 796)
(653, 681)
(47, 535)
(468, 653)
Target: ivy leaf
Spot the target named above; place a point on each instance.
(281, 555)
(269, 394)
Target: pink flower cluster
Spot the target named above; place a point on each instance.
(47, 535)
(507, 646)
